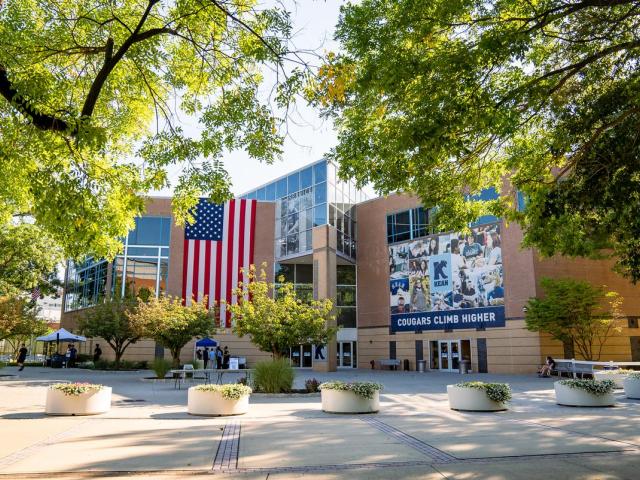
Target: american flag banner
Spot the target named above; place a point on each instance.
(216, 247)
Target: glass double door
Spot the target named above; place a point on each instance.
(300, 356)
(346, 352)
(449, 355)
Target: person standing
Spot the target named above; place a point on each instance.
(22, 356)
(74, 355)
(205, 357)
(212, 358)
(226, 356)
(97, 353)
(219, 358)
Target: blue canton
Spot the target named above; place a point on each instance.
(209, 220)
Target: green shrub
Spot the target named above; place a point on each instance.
(498, 392)
(161, 367)
(75, 389)
(102, 364)
(594, 387)
(230, 391)
(619, 371)
(363, 389)
(83, 357)
(273, 376)
(635, 375)
(2, 365)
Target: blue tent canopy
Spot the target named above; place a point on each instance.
(206, 342)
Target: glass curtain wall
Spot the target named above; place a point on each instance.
(346, 296)
(144, 263)
(301, 275)
(85, 284)
(343, 197)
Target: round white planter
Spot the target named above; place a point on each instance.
(214, 404)
(88, 403)
(618, 378)
(472, 399)
(345, 401)
(575, 397)
(632, 387)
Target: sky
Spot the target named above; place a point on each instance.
(309, 136)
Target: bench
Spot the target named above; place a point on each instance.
(392, 363)
(573, 368)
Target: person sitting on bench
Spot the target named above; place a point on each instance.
(547, 368)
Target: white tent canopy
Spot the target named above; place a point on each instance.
(61, 335)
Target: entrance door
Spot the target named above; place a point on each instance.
(306, 356)
(346, 353)
(449, 354)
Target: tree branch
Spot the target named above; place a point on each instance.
(38, 119)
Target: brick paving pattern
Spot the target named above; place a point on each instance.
(227, 454)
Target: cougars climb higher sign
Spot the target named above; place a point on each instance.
(448, 281)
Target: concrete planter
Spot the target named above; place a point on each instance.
(618, 378)
(88, 403)
(472, 400)
(576, 397)
(345, 401)
(214, 404)
(632, 387)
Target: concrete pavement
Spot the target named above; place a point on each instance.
(148, 434)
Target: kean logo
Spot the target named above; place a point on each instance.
(440, 272)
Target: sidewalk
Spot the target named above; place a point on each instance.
(416, 435)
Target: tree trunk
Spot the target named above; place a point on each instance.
(175, 355)
(119, 354)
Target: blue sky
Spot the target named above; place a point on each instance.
(309, 137)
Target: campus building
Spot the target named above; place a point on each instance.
(402, 290)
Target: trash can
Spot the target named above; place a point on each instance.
(465, 366)
(422, 365)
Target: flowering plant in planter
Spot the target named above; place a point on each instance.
(619, 371)
(229, 391)
(594, 387)
(74, 389)
(363, 389)
(498, 392)
(635, 375)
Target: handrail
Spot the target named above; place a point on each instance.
(603, 364)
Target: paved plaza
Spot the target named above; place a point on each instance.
(148, 434)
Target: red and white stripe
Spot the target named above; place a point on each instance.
(213, 268)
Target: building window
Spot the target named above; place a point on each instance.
(144, 264)
(346, 299)
(300, 275)
(85, 284)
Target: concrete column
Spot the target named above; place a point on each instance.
(324, 284)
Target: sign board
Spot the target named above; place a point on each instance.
(447, 281)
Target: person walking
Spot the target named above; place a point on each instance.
(22, 356)
(97, 353)
(226, 356)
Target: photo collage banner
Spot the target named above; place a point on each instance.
(448, 281)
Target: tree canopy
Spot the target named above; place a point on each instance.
(170, 323)
(446, 98)
(109, 320)
(19, 321)
(90, 97)
(577, 313)
(276, 319)
(28, 259)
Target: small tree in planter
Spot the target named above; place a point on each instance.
(631, 385)
(354, 397)
(577, 313)
(276, 319)
(227, 399)
(585, 393)
(170, 323)
(479, 396)
(110, 321)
